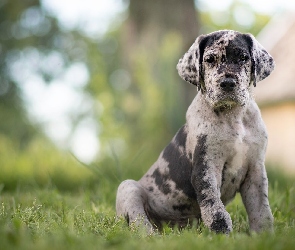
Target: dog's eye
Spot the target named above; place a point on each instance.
(244, 57)
(209, 59)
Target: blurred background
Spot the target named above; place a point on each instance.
(89, 93)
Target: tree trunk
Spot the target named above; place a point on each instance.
(148, 23)
(161, 16)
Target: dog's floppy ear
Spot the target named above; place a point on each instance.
(262, 62)
(189, 66)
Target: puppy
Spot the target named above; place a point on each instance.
(218, 152)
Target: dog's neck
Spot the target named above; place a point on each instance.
(230, 110)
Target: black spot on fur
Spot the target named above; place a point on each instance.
(181, 137)
(181, 207)
(208, 41)
(161, 181)
(219, 224)
(223, 172)
(151, 189)
(180, 166)
(222, 68)
(255, 62)
(194, 82)
(166, 188)
(237, 47)
(200, 169)
(190, 155)
(127, 218)
(209, 202)
(217, 112)
(197, 54)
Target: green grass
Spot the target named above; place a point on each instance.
(48, 218)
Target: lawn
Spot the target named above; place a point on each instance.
(51, 218)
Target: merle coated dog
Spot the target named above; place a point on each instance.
(218, 152)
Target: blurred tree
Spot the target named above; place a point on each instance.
(32, 46)
(136, 81)
(14, 122)
(31, 42)
(148, 24)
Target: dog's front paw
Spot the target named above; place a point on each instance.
(221, 223)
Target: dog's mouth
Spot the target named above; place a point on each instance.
(221, 100)
(227, 102)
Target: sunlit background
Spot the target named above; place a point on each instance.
(97, 78)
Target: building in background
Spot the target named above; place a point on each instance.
(276, 94)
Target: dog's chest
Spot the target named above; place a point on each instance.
(237, 148)
(235, 151)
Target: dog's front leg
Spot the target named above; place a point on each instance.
(254, 192)
(214, 215)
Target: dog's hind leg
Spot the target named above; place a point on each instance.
(130, 203)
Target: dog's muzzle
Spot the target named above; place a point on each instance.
(228, 84)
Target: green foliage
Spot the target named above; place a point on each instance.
(231, 18)
(28, 37)
(146, 99)
(40, 164)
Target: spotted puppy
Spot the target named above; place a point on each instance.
(218, 152)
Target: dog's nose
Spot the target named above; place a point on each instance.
(228, 84)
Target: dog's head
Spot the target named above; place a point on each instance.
(223, 65)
